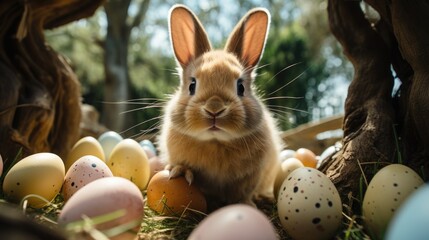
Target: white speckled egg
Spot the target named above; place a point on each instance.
(235, 222)
(389, 187)
(85, 146)
(309, 205)
(104, 196)
(108, 141)
(129, 160)
(40, 174)
(411, 221)
(85, 170)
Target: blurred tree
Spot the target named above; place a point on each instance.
(117, 79)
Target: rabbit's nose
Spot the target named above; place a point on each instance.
(214, 106)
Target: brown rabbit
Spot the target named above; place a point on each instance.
(215, 130)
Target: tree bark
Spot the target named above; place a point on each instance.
(380, 129)
(40, 106)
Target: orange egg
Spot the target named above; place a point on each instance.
(173, 196)
(307, 157)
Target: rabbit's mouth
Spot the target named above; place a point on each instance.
(214, 128)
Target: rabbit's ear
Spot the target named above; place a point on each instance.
(247, 40)
(187, 35)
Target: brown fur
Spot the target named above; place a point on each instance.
(239, 161)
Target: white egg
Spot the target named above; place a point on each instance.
(309, 205)
(286, 167)
(285, 154)
(108, 141)
(411, 221)
(389, 187)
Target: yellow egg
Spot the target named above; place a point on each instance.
(388, 189)
(286, 167)
(40, 174)
(173, 196)
(85, 146)
(129, 160)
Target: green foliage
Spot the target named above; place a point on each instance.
(291, 76)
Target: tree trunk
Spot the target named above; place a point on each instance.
(117, 82)
(374, 122)
(40, 106)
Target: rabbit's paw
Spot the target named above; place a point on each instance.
(180, 170)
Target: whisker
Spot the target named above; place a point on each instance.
(284, 69)
(283, 97)
(287, 108)
(288, 83)
(141, 123)
(143, 108)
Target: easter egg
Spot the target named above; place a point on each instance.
(108, 141)
(173, 196)
(85, 170)
(40, 174)
(411, 220)
(286, 153)
(307, 157)
(103, 196)
(387, 190)
(237, 221)
(147, 143)
(309, 205)
(156, 165)
(129, 160)
(286, 167)
(85, 146)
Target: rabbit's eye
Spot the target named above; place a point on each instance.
(240, 87)
(192, 86)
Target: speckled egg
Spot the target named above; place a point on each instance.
(129, 160)
(85, 146)
(235, 222)
(108, 141)
(85, 170)
(411, 221)
(40, 174)
(105, 196)
(387, 190)
(309, 205)
(286, 167)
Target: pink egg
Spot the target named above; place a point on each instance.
(233, 222)
(156, 165)
(105, 196)
(85, 170)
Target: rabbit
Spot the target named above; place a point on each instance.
(215, 130)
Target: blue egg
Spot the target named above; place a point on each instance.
(108, 141)
(148, 144)
(411, 221)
